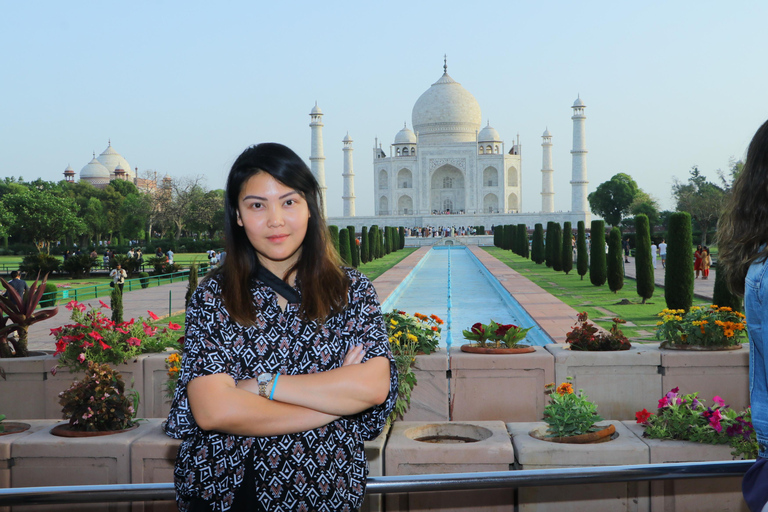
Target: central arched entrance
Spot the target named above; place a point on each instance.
(447, 190)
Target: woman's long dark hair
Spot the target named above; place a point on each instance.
(324, 285)
(743, 227)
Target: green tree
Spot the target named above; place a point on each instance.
(364, 254)
(646, 205)
(522, 240)
(402, 237)
(206, 213)
(508, 237)
(597, 263)
(334, 232)
(7, 219)
(549, 243)
(498, 235)
(45, 218)
(133, 213)
(557, 247)
(116, 304)
(722, 296)
(613, 198)
(513, 239)
(701, 199)
(582, 256)
(567, 247)
(354, 250)
(615, 261)
(644, 272)
(387, 240)
(191, 284)
(678, 277)
(124, 187)
(344, 250)
(537, 250)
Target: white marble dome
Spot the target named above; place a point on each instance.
(111, 159)
(546, 133)
(488, 134)
(446, 112)
(405, 136)
(94, 169)
(579, 102)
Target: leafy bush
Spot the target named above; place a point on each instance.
(79, 265)
(587, 337)
(162, 266)
(144, 279)
(557, 247)
(130, 265)
(701, 326)
(522, 240)
(569, 413)
(48, 299)
(566, 260)
(537, 250)
(42, 264)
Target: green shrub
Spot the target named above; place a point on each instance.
(549, 243)
(522, 240)
(192, 285)
(497, 236)
(79, 266)
(334, 231)
(644, 272)
(479, 230)
(557, 247)
(161, 266)
(344, 251)
(597, 263)
(567, 248)
(116, 303)
(678, 277)
(144, 279)
(722, 296)
(49, 296)
(354, 250)
(364, 254)
(130, 265)
(582, 255)
(374, 243)
(537, 251)
(615, 261)
(42, 264)
(401, 233)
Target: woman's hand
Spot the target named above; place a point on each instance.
(354, 356)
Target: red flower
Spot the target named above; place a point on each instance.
(149, 331)
(503, 328)
(152, 315)
(174, 327)
(478, 329)
(121, 331)
(133, 341)
(180, 341)
(95, 335)
(57, 331)
(642, 416)
(103, 305)
(86, 344)
(434, 328)
(104, 346)
(61, 346)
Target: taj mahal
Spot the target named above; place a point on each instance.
(450, 170)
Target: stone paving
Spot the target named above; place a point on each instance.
(702, 288)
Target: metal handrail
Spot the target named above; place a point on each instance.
(398, 484)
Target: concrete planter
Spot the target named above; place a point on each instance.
(490, 450)
(701, 495)
(486, 387)
(724, 373)
(429, 398)
(620, 383)
(152, 459)
(532, 453)
(156, 405)
(374, 452)
(22, 390)
(42, 459)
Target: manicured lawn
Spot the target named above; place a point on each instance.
(598, 301)
(377, 267)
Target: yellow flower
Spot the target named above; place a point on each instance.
(659, 323)
(393, 321)
(726, 308)
(412, 338)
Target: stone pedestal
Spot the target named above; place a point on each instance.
(722, 372)
(374, 452)
(701, 494)
(156, 405)
(532, 453)
(22, 390)
(429, 398)
(507, 387)
(152, 459)
(620, 383)
(489, 450)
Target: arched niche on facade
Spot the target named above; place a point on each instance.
(512, 180)
(447, 187)
(512, 203)
(490, 177)
(383, 179)
(405, 178)
(383, 205)
(405, 205)
(491, 203)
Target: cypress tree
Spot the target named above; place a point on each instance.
(567, 254)
(373, 245)
(678, 277)
(548, 244)
(402, 237)
(344, 251)
(557, 247)
(394, 239)
(644, 273)
(615, 261)
(354, 251)
(722, 296)
(582, 256)
(364, 246)
(116, 303)
(597, 269)
(522, 240)
(537, 251)
(334, 231)
(380, 245)
(497, 236)
(192, 285)
(480, 230)
(387, 240)
(508, 237)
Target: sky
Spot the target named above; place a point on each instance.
(181, 88)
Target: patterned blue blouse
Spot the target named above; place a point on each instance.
(322, 469)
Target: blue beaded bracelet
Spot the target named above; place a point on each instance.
(274, 385)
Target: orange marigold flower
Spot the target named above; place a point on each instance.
(434, 328)
(566, 388)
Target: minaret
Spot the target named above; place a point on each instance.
(579, 160)
(547, 183)
(349, 178)
(316, 157)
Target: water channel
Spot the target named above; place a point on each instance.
(451, 283)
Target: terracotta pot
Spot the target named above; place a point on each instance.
(64, 430)
(13, 427)
(600, 436)
(673, 346)
(520, 349)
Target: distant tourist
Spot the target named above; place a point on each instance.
(118, 276)
(170, 256)
(697, 260)
(654, 252)
(663, 252)
(18, 284)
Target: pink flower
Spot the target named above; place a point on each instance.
(103, 304)
(133, 341)
(71, 305)
(149, 331)
(714, 420)
(663, 402)
(121, 331)
(81, 357)
(719, 401)
(174, 327)
(153, 316)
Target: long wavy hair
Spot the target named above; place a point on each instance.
(743, 226)
(324, 285)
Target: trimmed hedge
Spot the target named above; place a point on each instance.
(615, 261)
(678, 278)
(644, 273)
(557, 247)
(537, 251)
(364, 254)
(582, 255)
(597, 264)
(567, 248)
(522, 240)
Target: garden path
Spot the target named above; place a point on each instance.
(702, 288)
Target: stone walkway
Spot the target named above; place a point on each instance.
(702, 288)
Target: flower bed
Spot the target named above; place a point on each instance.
(711, 327)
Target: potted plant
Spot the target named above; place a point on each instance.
(495, 338)
(701, 328)
(571, 417)
(98, 404)
(21, 312)
(586, 336)
(419, 329)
